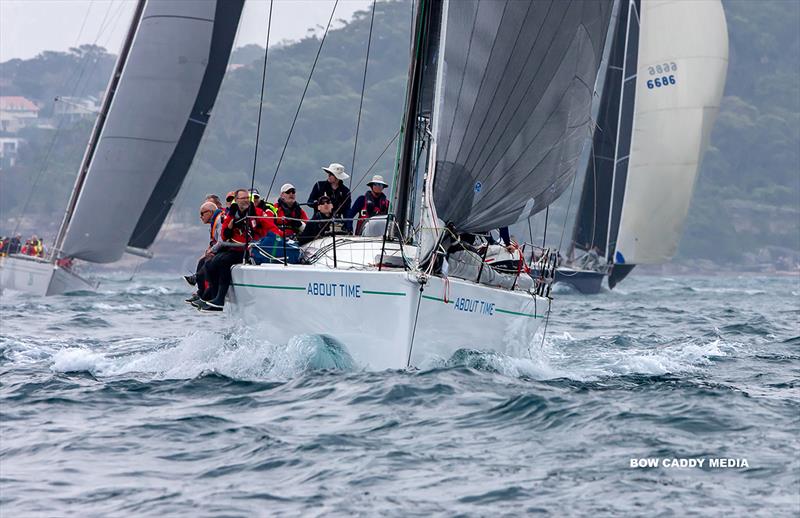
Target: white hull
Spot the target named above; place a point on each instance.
(383, 318)
(39, 277)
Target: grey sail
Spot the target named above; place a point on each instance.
(153, 126)
(515, 105)
(604, 183)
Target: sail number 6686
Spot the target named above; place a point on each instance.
(661, 81)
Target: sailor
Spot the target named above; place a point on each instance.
(37, 246)
(321, 224)
(372, 203)
(291, 217)
(213, 198)
(243, 223)
(229, 199)
(269, 209)
(334, 188)
(15, 245)
(212, 216)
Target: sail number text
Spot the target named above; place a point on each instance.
(662, 74)
(661, 81)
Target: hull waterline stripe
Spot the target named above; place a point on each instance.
(437, 299)
(270, 287)
(303, 288)
(392, 293)
(516, 313)
(529, 315)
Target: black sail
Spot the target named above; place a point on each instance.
(514, 105)
(226, 21)
(604, 182)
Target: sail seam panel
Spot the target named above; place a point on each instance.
(474, 126)
(516, 122)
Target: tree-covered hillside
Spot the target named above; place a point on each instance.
(747, 198)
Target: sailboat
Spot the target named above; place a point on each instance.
(662, 92)
(154, 112)
(498, 102)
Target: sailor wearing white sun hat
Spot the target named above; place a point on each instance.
(334, 188)
(372, 203)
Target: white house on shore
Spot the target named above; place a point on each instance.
(17, 112)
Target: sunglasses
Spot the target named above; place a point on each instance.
(290, 191)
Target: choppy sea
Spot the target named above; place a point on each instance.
(128, 402)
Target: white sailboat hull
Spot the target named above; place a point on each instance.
(39, 277)
(383, 319)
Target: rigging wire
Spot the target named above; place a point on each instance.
(546, 218)
(261, 100)
(363, 87)
(566, 213)
(302, 97)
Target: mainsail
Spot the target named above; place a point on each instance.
(145, 144)
(513, 105)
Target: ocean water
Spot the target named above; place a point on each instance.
(128, 402)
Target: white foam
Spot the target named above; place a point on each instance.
(78, 359)
(237, 356)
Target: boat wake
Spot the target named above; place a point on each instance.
(236, 355)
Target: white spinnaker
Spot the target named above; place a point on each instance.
(688, 42)
(157, 90)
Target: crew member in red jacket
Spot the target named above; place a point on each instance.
(244, 223)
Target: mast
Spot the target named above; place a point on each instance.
(98, 127)
(402, 191)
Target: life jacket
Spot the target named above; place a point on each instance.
(295, 213)
(372, 207)
(257, 227)
(215, 218)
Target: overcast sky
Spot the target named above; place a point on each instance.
(28, 27)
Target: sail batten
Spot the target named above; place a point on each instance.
(516, 100)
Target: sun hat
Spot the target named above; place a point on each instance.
(336, 170)
(377, 179)
(285, 187)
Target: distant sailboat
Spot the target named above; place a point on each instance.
(153, 116)
(498, 102)
(654, 125)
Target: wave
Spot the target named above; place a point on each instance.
(236, 355)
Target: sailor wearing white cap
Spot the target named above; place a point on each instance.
(334, 188)
(291, 217)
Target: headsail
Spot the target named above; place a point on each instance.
(516, 95)
(683, 61)
(604, 181)
(153, 125)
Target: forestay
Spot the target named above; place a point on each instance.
(683, 60)
(515, 104)
(153, 126)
